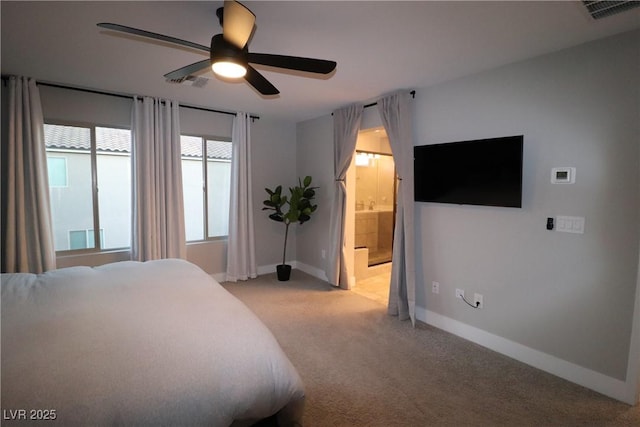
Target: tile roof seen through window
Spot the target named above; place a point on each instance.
(119, 141)
(192, 147)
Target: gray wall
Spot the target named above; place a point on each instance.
(273, 153)
(315, 158)
(273, 150)
(567, 295)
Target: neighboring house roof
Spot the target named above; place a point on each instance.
(192, 147)
(119, 141)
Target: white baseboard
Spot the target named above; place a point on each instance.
(601, 383)
(313, 271)
(271, 268)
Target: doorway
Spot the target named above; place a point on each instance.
(375, 206)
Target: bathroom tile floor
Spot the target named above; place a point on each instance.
(374, 287)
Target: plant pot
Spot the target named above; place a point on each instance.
(284, 272)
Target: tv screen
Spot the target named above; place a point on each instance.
(484, 172)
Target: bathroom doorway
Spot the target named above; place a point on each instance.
(375, 206)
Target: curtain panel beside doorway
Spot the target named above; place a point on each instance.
(396, 118)
(346, 124)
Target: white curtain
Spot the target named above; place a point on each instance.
(346, 124)
(158, 206)
(27, 233)
(396, 117)
(241, 258)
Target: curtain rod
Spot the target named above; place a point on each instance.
(412, 93)
(127, 96)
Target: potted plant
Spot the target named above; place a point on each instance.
(298, 209)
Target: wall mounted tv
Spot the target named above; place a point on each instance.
(484, 172)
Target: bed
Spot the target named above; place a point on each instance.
(139, 343)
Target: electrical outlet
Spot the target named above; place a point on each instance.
(478, 300)
(324, 254)
(435, 287)
(459, 293)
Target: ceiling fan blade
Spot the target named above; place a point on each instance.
(312, 65)
(258, 81)
(238, 23)
(150, 35)
(188, 70)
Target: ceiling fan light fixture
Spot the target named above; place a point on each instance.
(229, 69)
(229, 56)
(227, 60)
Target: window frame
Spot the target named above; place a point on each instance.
(97, 231)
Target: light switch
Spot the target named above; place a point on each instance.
(561, 224)
(570, 224)
(578, 225)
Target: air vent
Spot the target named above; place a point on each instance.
(195, 81)
(600, 9)
(178, 81)
(198, 81)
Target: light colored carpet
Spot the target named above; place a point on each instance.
(362, 367)
(374, 287)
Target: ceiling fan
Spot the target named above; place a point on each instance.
(229, 55)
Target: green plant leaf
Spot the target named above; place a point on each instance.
(292, 215)
(276, 217)
(293, 207)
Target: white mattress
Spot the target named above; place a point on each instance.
(154, 343)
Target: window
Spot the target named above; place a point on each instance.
(82, 160)
(83, 239)
(57, 170)
(206, 180)
(218, 187)
(89, 171)
(113, 161)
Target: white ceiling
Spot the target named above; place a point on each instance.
(379, 46)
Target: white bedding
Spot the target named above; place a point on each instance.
(154, 343)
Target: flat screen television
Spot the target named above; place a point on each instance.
(484, 172)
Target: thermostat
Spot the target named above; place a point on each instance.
(563, 175)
